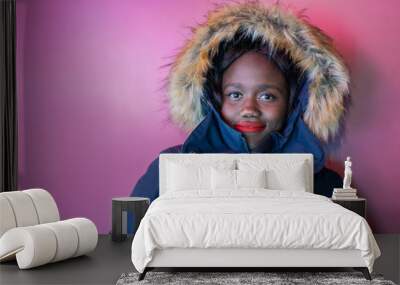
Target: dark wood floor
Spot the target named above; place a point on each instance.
(110, 260)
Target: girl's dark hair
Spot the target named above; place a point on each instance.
(232, 50)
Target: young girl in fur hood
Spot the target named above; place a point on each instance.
(256, 79)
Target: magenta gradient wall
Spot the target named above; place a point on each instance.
(91, 108)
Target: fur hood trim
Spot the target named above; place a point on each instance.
(307, 46)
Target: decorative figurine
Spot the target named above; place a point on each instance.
(347, 174)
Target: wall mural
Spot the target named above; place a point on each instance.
(270, 83)
(93, 115)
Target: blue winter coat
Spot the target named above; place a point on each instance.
(213, 135)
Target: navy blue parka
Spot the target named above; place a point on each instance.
(214, 135)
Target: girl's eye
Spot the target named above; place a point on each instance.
(267, 97)
(235, 96)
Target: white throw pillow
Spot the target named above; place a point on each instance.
(285, 175)
(187, 177)
(251, 178)
(293, 179)
(224, 179)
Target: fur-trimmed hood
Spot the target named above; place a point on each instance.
(307, 47)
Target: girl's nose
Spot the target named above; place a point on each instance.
(250, 107)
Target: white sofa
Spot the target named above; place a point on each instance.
(31, 231)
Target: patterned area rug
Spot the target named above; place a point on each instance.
(225, 278)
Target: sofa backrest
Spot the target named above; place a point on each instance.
(278, 163)
(26, 208)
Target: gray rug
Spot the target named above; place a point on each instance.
(274, 278)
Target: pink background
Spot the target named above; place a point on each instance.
(92, 114)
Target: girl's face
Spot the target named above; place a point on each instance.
(254, 97)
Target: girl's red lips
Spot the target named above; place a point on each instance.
(246, 126)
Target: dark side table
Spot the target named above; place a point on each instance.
(358, 205)
(127, 212)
